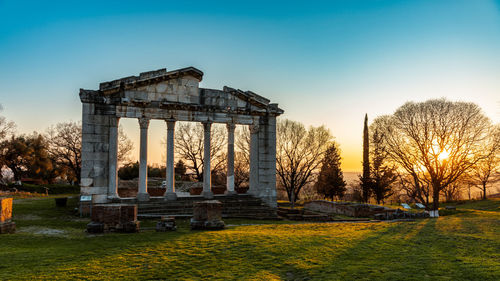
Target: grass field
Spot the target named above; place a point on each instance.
(51, 244)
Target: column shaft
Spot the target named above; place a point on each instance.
(254, 159)
(143, 161)
(230, 159)
(113, 158)
(207, 190)
(170, 175)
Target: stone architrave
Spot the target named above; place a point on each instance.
(6, 223)
(173, 95)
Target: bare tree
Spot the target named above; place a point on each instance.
(189, 145)
(382, 172)
(436, 141)
(414, 188)
(65, 145)
(299, 154)
(6, 127)
(242, 156)
(487, 171)
(125, 146)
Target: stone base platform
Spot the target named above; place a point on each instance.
(233, 206)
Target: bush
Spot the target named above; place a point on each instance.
(52, 188)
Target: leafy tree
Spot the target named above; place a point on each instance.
(180, 168)
(331, 181)
(129, 171)
(299, 153)
(27, 156)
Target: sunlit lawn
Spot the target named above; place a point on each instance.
(464, 245)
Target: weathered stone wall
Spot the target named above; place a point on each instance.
(263, 160)
(348, 209)
(95, 149)
(183, 90)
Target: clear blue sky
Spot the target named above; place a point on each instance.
(324, 62)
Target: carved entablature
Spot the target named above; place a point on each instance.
(163, 94)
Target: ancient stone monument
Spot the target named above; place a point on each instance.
(113, 217)
(207, 215)
(6, 223)
(173, 96)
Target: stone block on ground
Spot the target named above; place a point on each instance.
(166, 224)
(6, 223)
(5, 209)
(113, 217)
(207, 215)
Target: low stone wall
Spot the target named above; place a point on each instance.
(347, 209)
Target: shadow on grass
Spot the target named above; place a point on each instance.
(413, 251)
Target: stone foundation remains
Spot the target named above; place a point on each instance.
(113, 217)
(207, 215)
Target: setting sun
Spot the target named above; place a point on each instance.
(443, 155)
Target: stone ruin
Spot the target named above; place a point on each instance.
(113, 217)
(6, 223)
(173, 96)
(358, 210)
(207, 215)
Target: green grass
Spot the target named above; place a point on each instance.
(464, 245)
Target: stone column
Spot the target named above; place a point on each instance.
(207, 191)
(170, 175)
(113, 158)
(254, 157)
(230, 159)
(143, 161)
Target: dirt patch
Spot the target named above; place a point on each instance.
(42, 231)
(27, 217)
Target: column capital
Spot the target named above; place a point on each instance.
(170, 124)
(254, 129)
(207, 125)
(230, 126)
(144, 122)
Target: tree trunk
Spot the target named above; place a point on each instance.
(435, 198)
(484, 191)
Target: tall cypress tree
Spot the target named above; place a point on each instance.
(365, 178)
